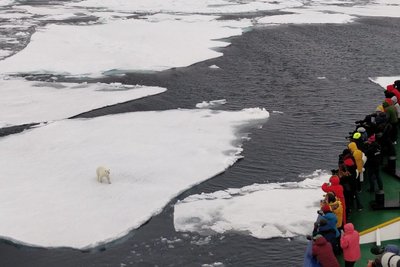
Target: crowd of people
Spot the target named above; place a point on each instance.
(370, 147)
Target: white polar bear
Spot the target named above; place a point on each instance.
(101, 173)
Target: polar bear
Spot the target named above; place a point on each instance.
(101, 173)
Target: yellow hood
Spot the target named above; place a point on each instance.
(352, 146)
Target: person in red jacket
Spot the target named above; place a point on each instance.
(392, 89)
(350, 243)
(323, 251)
(335, 187)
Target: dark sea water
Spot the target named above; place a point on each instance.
(316, 76)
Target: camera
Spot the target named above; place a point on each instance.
(390, 259)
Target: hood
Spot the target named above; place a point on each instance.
(348, 228)
(334, 180)
(352, 146)
(379, 108)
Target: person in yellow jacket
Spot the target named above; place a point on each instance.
(336, 207)
(358, 158)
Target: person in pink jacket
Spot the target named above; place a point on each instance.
(350, 243)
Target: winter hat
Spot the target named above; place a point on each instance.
(352, 146)
(326, 208)
(361, 129)
(371, 138)
(356, 135)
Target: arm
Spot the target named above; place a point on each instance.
(344, 243)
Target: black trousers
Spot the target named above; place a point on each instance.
(349, 263)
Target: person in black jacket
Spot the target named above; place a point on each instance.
(372, 166)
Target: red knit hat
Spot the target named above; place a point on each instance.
(326, 208)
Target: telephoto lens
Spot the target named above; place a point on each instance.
(390, 259)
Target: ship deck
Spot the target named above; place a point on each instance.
(369, 218)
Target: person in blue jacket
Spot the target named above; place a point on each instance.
(327, 227)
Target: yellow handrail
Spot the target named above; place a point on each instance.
(380, 226)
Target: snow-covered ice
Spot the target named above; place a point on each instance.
(95, 50)
(384, 81)
(261, 210)
(25, 102)
(49, 195)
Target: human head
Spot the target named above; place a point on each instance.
(380, 108)
(334, 180)
(348, 228)
(389, 94)
(396, 84)
(330, 197)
